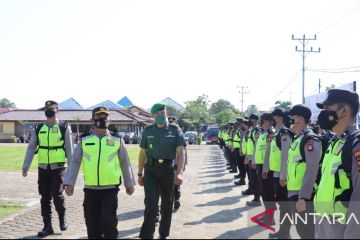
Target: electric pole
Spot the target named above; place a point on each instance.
(319, 85)
(243, 91)
(304, 52)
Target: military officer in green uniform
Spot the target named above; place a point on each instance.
(162, 146)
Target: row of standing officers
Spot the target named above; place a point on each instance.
(311, 171)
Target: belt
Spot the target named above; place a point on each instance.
(161, 161)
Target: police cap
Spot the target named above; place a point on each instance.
(50, 104)
(99, 110)
(340, 96)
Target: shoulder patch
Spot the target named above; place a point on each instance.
(310, 145)
(356, 155)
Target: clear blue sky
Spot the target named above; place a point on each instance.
(149, 50)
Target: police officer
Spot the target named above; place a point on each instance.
(249, 157)
(177, 192)
(220, 136)
(232, 155)
(302, 168)
(52, 142)
(262, 151)
(162, 146)
(238, 140)
(105, 163)
(339, 188)
(275, 170)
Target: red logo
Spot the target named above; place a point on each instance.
(256, 219)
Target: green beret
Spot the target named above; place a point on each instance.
(157, 107)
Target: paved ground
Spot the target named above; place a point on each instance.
(212, 206)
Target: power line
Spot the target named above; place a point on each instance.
(327, 71)
(304, 52)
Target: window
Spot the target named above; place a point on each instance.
(1, 128)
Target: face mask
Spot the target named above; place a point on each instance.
(101, 123)
(49, 113)
(327, 119)
(160, 119)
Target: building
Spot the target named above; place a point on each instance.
(170, 102)
(17, 122)
(125, 102)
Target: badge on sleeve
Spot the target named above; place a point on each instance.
(269, 138)
(357, 158)
(310, 145)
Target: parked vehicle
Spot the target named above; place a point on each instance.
(190, 137)
(212, 135)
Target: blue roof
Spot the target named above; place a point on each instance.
(70, 104)
(125, 101)
(108, 104)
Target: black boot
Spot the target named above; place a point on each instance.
(63, 223)
(48, 229)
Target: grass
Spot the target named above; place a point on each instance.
(12, 158)
(8, 208)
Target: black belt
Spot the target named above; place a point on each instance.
(50, 148)
(161, 161)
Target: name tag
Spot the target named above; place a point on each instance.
(54, 130)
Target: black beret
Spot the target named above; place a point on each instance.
(278, 112)
(301, 110)
(266, 117)
(254, 116)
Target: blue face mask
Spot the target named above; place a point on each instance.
(160, 119)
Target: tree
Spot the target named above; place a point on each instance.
(7, 103)
(225, 116)
(171, 111)
(220, 106)
(286, 105)
(252, 109)
(197, 109)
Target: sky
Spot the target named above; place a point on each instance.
(149, 50)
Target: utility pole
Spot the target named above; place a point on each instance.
(319, 85)
(243, 91)
(304, 53)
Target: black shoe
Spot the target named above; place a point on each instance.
(237, 176)
(47, 230)
(232, 171)
(176, 205)
(229, 168)
(63, 223)
(240, 183)
(253, 203)
(162, 236)
(247, 192)
(279, 235)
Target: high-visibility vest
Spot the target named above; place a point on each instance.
(334, 181)
(100, 161)
(51, 145)
(296, 167)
